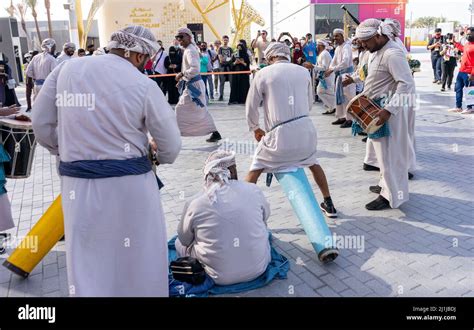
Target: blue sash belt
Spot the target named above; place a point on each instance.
(109, 168)
(193, 91)
(340, 99)
(322, 80)
(39, 82)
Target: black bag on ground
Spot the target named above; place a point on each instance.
(188, 269)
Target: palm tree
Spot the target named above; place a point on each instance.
(22, 8)
(47, 5)
(11, 10)
(32, 5)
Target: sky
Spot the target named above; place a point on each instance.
(298, 24)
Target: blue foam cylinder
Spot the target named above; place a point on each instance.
(298, 191)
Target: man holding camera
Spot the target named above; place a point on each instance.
(435, 46)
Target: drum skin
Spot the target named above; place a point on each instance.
(45, 234)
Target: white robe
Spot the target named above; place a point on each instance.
(63, 57)
(229, 237)
(6, 219)
(115, 228)
(389, 73)
(193, 120)
(39, 68)
(286, 92)
(342, 60)
(325, 94)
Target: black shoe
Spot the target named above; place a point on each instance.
(410, 176)
(221, 99)
(329, 112)
(215, 136)
(364, 140)
(362, 134)
(435, 81)
(378, 204)
(368, 167)
(443, 89)
(328, 209)
(339, 121)
(375, 189)
(347, 123)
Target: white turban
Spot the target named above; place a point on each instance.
(134, 38)
(322, 43)
(48, 44)
(185, 30)
(372, 26)
(69, 45)
(216, 172)
(394, 26)
(278, 49)
(338, 31)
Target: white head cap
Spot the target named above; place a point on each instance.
(136, 39)
(338, 31)
(48, 44)
(372, 26)
(278, 49)
(69, 45)
(216, 172)
(185, 30)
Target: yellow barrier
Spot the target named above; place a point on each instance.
(45, 233)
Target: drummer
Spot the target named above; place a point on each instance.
(289, 140)
(389, 74)
(6, 219)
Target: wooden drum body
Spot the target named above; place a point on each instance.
(365, 113)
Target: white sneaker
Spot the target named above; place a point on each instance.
(457, 110)
(467, 112)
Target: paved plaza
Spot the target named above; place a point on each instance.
(425, 248)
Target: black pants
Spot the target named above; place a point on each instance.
(448, 72)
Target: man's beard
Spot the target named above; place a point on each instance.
(470, 38)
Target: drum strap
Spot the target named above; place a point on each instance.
(109, 168)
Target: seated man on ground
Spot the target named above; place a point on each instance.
(224, 225)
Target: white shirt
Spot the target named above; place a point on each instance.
(342, 57)
(159, 64)
(41, 66)
(63, 57)
(229, 237)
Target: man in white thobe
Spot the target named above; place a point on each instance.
(325, 88)
(41, 66)
(289, 140)
(68, 52)
(191, 111)
(389, 80)
(114, 222)
(6, 219)
(224, 225)
(342, 67)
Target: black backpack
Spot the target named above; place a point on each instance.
(189, 270)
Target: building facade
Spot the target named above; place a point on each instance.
(326, 15)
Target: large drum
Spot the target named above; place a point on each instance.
(365, 113)
(19, 142)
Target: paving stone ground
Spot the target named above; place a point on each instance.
(425, 248)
